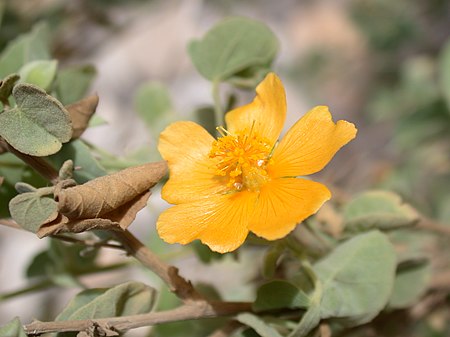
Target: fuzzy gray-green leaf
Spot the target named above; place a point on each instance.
(129, 298)
(38, 124)
(30, 210)
(382, 210)
(232, 46)
(357, 278)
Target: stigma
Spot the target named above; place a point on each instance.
(242, 158)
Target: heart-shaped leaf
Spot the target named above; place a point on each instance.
(378, 210)
(357, 278)
(38, 125)
(233, 46)
(30, 210)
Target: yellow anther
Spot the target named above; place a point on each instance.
(243, 158)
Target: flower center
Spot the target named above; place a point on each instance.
(242, 158)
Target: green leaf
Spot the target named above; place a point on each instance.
(30, 210)
(257, 324)
(6, 87)
(280, 294)
(154, 106)
(87, 166)
(411, 282)
(13, 329)
(378, 210)
(444, 72)
(129, 298)
(26, 48)
(72, 83)
(357, 278)
(38, 124)
(233, 46)
(40, 73)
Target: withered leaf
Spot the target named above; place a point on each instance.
(108, 202)
(63, 225)
(119, 219)
(6, 87)
(80, 113)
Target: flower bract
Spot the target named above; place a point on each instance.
(244, 180)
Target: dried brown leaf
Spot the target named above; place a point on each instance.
(105, 194)
(63, 225)
(1, 180)
(80, 114)
(119, 219)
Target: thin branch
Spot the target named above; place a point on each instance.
(194, 310)
(27, 289)
(37, 163)
(10, 223)
(169, 274)
(433, 226)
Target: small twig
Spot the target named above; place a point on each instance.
(218, 112)
(89, 243)
(441, 281)
(433, 226)
(169, 274)
(27, 289)
(10, 223)
(194, 310)
(38, 164)
(427, 304)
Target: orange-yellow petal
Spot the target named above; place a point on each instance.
(266, 114)
(220, 221)
(310, 144)
(186, 146)
(283, 203)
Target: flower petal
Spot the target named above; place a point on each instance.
(266, 114)
(219, 221)
(310, 144)
(185, 146)
(283, 203)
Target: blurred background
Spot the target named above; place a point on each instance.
(382, 64)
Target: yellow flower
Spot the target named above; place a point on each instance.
(243, 181)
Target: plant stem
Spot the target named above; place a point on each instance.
(218, 112)
(38, 164)
(169, 274)
(28, 289)
(194, 310)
